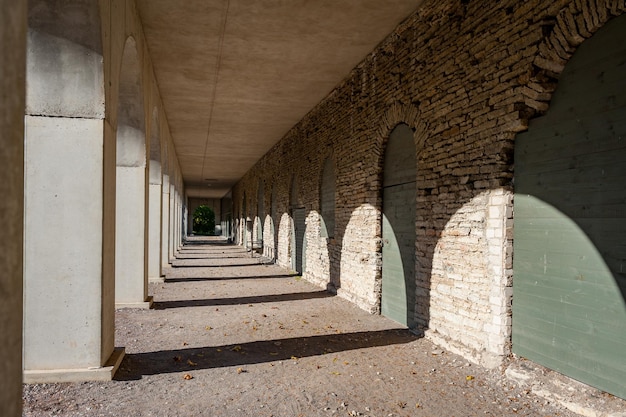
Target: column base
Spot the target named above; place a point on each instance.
(103, 373)
(141, 305)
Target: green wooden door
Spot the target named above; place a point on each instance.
(398, 228)
(569, 312)
(298, 240)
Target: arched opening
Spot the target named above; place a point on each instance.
(131, 278)
(398, 227)
(204, 220)
(268, 229)
(569, 286)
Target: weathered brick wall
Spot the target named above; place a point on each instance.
(466, 76)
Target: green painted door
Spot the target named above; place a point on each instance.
(298, 239)
(398, 229)
(569, 309)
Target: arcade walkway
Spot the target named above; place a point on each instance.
(231, 336)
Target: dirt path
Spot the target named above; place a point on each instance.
(229, 336)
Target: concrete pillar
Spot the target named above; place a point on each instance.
(12, 98)
(154, 223)
(68, 316)
(131, 224)
(178, 216)
(172, 226)
(131, 277)
(165, 225)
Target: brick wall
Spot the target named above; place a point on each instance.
(466, 76)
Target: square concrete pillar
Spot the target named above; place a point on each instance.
(173, 220)
(131, 275)
(67, 326)
(165, 225)
(154, 223)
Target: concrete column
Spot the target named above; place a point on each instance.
(181, 223)
(172, 239)
(12, 98)
(68, 321)
(131, 224)
(165, 225)
(179, 211)
(154, 223)
(131, 275)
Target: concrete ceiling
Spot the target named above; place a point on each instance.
(236, 75)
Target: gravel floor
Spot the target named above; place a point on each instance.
(230, 336)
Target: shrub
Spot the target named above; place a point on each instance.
(204, 220)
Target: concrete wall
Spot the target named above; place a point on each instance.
(12, 100)
(466, 77)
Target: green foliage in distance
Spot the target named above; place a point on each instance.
(204, 220)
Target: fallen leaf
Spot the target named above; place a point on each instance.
(295, 358)
(236, 348)
(219, 350)
(208, 328)
(191, 363)
(187, 377)
(177, 358)
(185, 344)
(335, 373)
(469, 377)
(274, 353)
(241, 370)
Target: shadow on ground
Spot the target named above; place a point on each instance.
(136, 365)
(222, 278)
(176, 265)
(256, 299)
